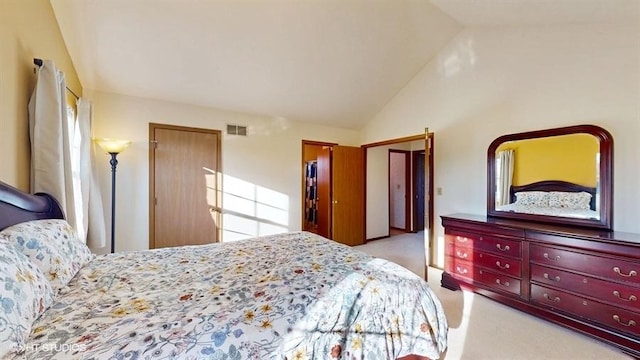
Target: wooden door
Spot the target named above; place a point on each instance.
(324, 191)
(310, 150)
(347, 185)
(418, 190)
(185, 192)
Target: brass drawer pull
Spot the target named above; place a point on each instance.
(506, 266)
(555, 299)
(506, 283)
(630, 323)
(461, 254)
(631, 298)
(506, 248)
(548, 277)
(461, 239)
(546, 256)
(461, 270)
(619, 272)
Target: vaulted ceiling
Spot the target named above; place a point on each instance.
(336, 62)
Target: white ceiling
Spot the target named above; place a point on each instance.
(336, 62)
(539, 12)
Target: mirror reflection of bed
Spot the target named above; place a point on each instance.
(553, 198)
(558, 175)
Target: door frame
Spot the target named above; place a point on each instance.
(428, 138)
(152, 176)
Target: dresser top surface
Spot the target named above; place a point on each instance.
(593, 234)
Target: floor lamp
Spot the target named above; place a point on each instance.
(113, 147)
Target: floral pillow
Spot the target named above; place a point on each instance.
(24, 295)
(570, 200)
(532, 198)
(53, 246)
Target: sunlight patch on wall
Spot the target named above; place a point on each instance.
(460, 56)
(251, 210)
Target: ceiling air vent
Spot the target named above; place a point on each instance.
(236, 130)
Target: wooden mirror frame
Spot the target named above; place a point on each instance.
(606, 177)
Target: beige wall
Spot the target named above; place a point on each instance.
(270, 158)
(486, 82)
(493, 81)
(28, 29)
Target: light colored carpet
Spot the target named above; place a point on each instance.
(480, 328)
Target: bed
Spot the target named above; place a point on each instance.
(288, 296)
(554, 198)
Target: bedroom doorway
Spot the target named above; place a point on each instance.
(377, 223)
(184, 186)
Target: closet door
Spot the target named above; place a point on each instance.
(347, 178)
(184, 186)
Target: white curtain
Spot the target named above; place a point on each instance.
(93, 225)
(51, 169)
(505, 176)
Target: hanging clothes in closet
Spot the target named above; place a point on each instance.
(311, 196)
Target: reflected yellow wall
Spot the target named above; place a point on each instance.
(570, 158)
(28, 29)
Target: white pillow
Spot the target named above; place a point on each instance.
(53, 246)
(24, 295)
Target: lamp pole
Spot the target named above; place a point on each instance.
(113, 147)
(114, 163)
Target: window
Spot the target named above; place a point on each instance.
(74, 146)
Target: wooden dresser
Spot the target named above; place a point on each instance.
(587, 280)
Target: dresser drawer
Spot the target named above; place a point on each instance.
(503, 246)
(610, 316)
(459, 252)
(500, 264)
(466, 271)
(458, 267)
(604, 267)
(498, 282)
(617, 294)
(459, 239)
(507, 266)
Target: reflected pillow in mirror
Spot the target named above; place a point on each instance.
(532, 198)
(570, 200)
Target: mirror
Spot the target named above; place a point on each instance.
(561, 176)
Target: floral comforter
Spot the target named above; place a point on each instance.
(288, 296)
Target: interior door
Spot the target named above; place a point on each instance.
(348, 195)
(324, 191)
(419, 189)
(185, 191)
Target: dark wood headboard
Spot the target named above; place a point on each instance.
(555, 185)
(17, 206)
